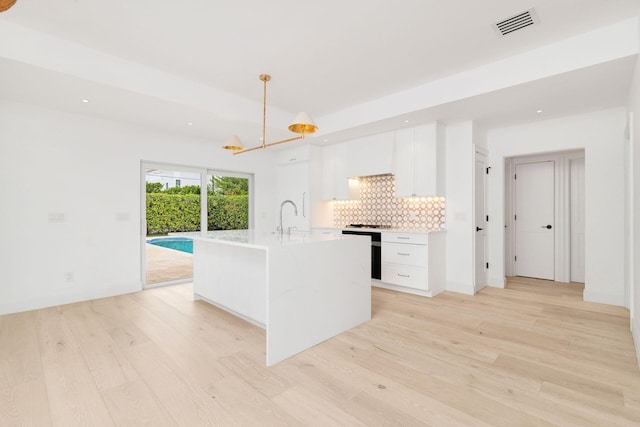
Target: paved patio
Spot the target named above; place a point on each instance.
(166, 265)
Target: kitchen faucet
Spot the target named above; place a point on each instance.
(295, 211)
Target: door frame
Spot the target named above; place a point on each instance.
(204, 175)
(562, 215)
(482, 154)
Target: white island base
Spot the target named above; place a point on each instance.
(303, 289)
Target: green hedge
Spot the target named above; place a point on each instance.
(181, 212)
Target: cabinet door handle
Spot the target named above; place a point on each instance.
(400, 253)
(303, 214)
(403, 238)
(403, 275)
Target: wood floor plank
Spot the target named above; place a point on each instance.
(103, 357)
(607, 413)
(73, 395)
(188, 404)
(25, 404)
(531, 354)
(19, 352)
(250, 406)
(311, 410)
(263, 379)
(134, 404)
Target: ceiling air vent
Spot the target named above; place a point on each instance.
(516, 22)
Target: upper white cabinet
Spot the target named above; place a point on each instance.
(371, 155)
(334, 168)
(418, 161)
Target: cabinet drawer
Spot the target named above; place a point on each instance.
(411, 277)
(399, 253)
(413, 238)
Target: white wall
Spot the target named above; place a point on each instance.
(459, 181)
(601, 134)
(89, 170)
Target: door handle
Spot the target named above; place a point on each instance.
(548, 227)
(303, 195)
(479, 229)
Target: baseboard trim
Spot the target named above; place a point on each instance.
(18, 306)
(461, 288)
(391, 287)
(635, 334)
(497, 282)
(603, 298)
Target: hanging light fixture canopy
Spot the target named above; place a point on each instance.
(6, 4)
(302, 124)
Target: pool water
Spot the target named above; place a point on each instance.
(182, 244)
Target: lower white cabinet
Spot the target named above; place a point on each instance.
(413, 262)
(405, 254)
(405, 275)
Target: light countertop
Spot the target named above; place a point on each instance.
(380, 230)
(263, 239)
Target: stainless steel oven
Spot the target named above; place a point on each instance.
(376, 250)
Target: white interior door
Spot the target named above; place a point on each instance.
(534, 219)
(480, 223)
(577, 220)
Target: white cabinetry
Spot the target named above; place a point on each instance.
(418, 161)
(370, 155)
(413, 262)
(295, 173)
(334, 167)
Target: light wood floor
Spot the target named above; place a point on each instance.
(165, 265)
(512, 357)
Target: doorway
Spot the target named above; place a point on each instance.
(178, 199)
(480, 218)
(544, 212)
(534, 219)
(172, 204)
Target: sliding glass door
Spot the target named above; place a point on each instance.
(183, 199)
(228, 201)
(172, 204)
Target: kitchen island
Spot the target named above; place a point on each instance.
(303, 288)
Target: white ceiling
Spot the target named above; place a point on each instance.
(323, 56)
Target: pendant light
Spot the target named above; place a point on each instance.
(6, 4)
(302, 124)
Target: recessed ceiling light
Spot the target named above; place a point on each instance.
(325, 140)
(538, 111)
(406, 121)
(190, 124)
(85, 101)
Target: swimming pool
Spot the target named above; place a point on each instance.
(182, 244)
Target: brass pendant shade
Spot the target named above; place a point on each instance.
(233, 143)
(302, 124)
(6, 4)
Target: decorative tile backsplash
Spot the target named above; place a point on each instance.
(378, 205)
